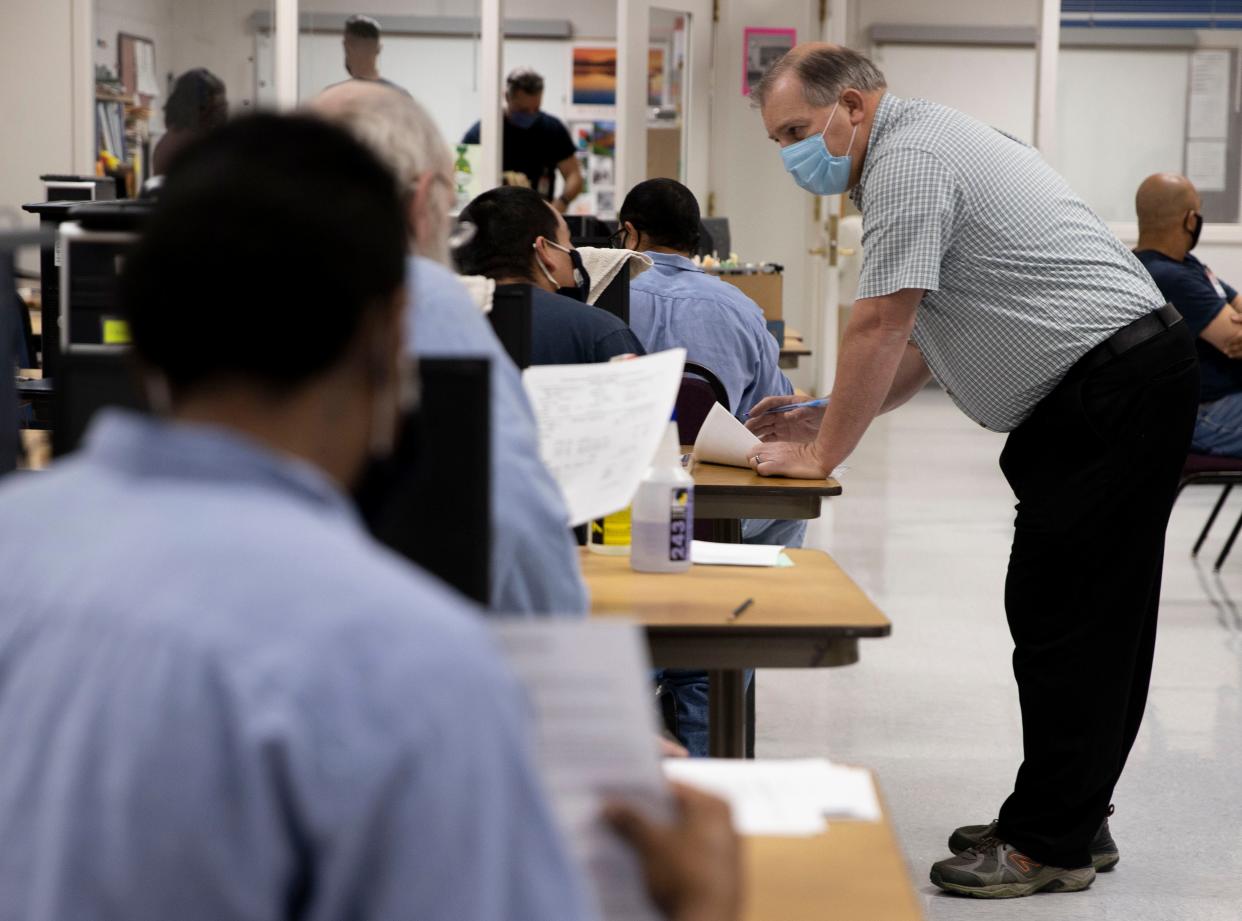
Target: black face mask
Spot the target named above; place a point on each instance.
(1194, 234)
(582, 290)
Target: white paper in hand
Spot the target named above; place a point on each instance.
(724, 440)
(595, 738)
(599, 426)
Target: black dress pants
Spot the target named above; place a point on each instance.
(1095, 471)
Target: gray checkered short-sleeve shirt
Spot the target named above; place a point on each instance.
(1022, 278)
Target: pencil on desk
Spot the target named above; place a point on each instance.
(741, 609)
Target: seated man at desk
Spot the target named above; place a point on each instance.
(534, 556)
(221, 699)
(520, 240)
(1169, 222)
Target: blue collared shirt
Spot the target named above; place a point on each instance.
(675, 304)
(534, 556)
(220, 699)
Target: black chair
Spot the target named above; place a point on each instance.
(1211, 470)
(700, 390)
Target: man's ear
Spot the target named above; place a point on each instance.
(630, 229)
(853, 103)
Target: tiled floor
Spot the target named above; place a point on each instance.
(924, 528)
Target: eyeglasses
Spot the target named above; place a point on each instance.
(617, 240)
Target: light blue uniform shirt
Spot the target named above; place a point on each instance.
(534, 555)
(675, 304)
(220, 699)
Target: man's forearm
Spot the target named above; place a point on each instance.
(871, 351)
(573, 187)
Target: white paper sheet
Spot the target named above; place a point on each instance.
(724, 440)
(710, 553)
(595, 738)
(600, 425)
(782, 797)
(1209, 95)
(1206, 164)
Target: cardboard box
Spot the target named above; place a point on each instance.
(765, 289)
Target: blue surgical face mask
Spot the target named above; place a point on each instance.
(814, 168)
(523, 119)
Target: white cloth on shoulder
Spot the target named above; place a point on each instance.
(603, 263)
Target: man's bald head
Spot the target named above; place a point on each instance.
(1163, 201)
(402, 134)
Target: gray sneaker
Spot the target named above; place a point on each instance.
(993, 869)
(1103, 848)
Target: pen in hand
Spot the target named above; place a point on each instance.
(809, 404)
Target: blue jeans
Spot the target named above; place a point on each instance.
(689, 690)
(1218, 427)
(773, 531)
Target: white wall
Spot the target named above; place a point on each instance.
(36, 102)
(769, 216)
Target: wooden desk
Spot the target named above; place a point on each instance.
(791, 350)
(739, 492)
(855, 872)
(810, 615)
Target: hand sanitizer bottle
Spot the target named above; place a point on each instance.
(662, 513)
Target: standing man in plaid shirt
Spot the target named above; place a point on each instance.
(981, 268)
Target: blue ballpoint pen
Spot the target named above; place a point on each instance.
(809, 404)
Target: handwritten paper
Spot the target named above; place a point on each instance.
(595, 739)
(792, 797)
(600, 425)
(724, 440)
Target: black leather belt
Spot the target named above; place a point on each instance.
(1128, 337)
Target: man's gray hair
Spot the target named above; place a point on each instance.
(825, 73)
(398, 130)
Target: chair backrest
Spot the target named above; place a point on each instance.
(700, 389)
(511, 319)
(616, 297)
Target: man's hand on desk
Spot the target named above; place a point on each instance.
(794, 425)
(783, 458)
(694, 865)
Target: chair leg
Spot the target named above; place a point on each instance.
(1211, 519)
(1233, 535)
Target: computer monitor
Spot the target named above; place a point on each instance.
(510, 317)
(431, 502)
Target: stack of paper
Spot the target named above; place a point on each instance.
(724, 440)
(600, 425)
(782, 797)
(708, 553)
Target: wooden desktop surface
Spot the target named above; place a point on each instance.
(718, 479)
(854, 872)
(813, 593)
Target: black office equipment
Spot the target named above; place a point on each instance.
(616, 297)
(589, 230)
(13, 340)
(88, 382)
(714, 237)
(60, 187)
(431, 502)
(511, 320)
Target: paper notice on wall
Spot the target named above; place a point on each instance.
(595, 739)
(1205, 164)
(144, 62)
(1209, 95)
(600, 425)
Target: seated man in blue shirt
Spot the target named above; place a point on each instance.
(535, 566)
(675, 304)
(1169, 219)
(519, 239)
(221, 699)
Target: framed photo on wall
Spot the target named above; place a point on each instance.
(760, 49)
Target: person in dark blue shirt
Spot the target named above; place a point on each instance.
(535, 144)
(520, 240)
(1169, 218)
